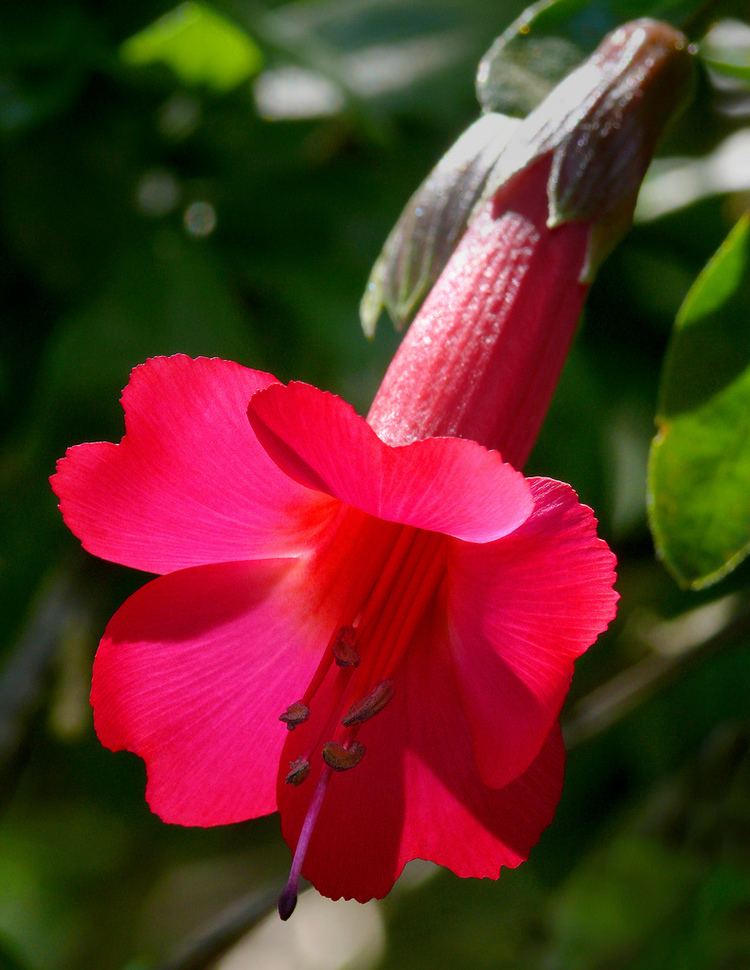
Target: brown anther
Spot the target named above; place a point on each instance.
(370, 705)
(344, 651)
(295, 714)
(339, 758)
(299, 769)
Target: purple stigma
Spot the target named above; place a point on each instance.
(288, 898)
(287, 901)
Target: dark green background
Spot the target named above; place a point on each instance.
(647, 864)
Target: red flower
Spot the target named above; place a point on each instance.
(363, 625)
(367, 627)
(412, 613)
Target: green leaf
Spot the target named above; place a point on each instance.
(673, 184)
(726, 49)
(200, 46)
(699, 475)
(549, 39)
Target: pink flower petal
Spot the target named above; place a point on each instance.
(446, 485)
(192, 674)
(416, 793)
(521, 610)
(188, 483)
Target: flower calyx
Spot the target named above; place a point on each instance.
(601, 125)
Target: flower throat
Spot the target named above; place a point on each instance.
(393, 585)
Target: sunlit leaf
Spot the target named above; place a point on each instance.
(291, 93)
(200, 46)
(675, 183)
(549, 39)
(726, 49)
(700, 461)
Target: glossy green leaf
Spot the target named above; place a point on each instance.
(699, 480)
(549, 39)
(200, 46)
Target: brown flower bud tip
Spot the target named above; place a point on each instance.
(299, 769)
(344, 651)
(599, 126)
(295, 714)
(339, 758)
(370, 705)
(637, 79)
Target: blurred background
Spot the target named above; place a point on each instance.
(217, 179)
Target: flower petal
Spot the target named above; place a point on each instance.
(192, 674)
(417, 792)
(521, 610)
(447, 485)
(188, 483)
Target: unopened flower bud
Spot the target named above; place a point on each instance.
(483, 356)
(602, 124)
(598, 128)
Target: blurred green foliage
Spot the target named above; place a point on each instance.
(226, 193)
(200, 47)
(549, 39)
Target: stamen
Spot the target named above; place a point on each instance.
(370, 705)
(343, 648)
(339, 758)
(299, 769)
(288, 898)
(393, 629)
(295, 714)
